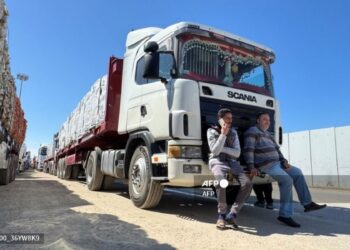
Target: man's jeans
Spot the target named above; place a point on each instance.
(285, 179)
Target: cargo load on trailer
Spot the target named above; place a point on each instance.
(12, 123)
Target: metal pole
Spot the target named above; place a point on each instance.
(21, 77)
(20, 90)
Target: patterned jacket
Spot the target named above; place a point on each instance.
(260, 149)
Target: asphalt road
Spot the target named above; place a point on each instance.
(71, 217)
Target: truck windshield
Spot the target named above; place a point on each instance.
(209, 60)
(43, 151)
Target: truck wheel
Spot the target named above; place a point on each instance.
(75, 171)
(13, 173)
(144, 192)
(54, 168)
(94, 176)
(59, 168)
(5, 176)
(66, 170)
(14, 170)
(50, 168)
(108, 183)
(53, 171)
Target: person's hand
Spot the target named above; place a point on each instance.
(286, 165)
(253, 172)
(225, 129)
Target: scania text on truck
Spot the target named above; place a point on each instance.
(151, 112)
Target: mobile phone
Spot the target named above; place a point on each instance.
(221, 122)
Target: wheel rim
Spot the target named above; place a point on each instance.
(138, 176)
(89, 171)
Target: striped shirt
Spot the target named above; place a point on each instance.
(260, 149)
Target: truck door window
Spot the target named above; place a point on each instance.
(140, 80)
(166, 63)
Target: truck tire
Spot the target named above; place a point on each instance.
(13, 169)
(50, 168)
(66, 170)
(108, 183)
(143, 192)
(54, 168)
(94, 176)
(59, 168)
(75, 171)
(4, 176)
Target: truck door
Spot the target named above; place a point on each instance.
(155, 104)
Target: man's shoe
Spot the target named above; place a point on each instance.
(288, 221)
(231, 219)
(313, 206)
(259, 204)
(269, 205)
(221, 224)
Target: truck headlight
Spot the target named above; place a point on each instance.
(188, 152)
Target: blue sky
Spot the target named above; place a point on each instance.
(64, 47)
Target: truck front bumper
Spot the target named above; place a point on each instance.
(188, 172)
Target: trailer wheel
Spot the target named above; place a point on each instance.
(45, 167)
(4, 176)
(94, 176)
(13, 169)
(75, 171)
(54, 168)
(108, 183)
(50, 168)
(144, 192)
(66, 170)
(59, 168)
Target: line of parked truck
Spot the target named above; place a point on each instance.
(145, 121)
(12, 122)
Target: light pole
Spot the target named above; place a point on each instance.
(21, 77)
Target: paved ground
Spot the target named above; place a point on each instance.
(71, 217)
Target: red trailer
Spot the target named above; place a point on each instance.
(104, 136)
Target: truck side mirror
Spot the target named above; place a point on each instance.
(160, 65)
(151, 67)
(151, 47)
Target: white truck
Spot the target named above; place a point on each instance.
(146, 121)
(42, 152)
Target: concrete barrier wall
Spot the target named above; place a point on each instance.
(322, 154)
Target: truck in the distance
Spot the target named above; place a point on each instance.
(146, 121)
(52, 148)
(42, 153)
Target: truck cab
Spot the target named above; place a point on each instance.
(42, 152)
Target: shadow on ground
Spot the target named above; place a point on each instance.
(331, 221)
(45, 206)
